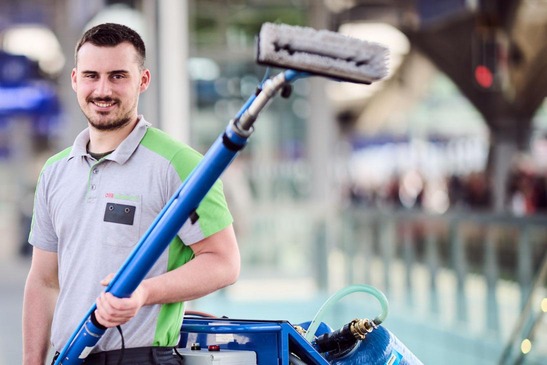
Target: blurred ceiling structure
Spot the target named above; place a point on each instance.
(459, 36)
(493, 51)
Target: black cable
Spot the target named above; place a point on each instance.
(178, 353)
(120, 360)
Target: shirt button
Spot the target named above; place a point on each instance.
(93, 187)
(95, 171)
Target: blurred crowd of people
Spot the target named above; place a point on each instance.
(526, 192)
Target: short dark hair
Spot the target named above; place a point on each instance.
(111, 35)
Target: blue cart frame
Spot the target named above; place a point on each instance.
(272, 341)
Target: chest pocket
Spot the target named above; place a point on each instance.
(121, 223)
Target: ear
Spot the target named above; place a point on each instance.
(73, 79)
(145, 80)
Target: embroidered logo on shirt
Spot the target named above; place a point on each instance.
(119, 213)
(122, 197)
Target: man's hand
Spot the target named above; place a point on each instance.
(215, 265)
(112, 311)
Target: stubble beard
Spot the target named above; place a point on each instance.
(110, 125)
(102, 123)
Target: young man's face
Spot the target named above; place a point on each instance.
(108, 82)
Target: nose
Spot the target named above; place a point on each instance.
(103, 88)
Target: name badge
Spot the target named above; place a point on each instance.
(119, 213)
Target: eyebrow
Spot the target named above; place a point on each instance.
(109, 72)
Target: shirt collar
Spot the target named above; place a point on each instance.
(122, 152)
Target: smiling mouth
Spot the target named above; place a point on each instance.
(103, 103)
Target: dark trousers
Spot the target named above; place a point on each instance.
(135, 356)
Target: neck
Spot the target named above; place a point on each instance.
(105, 141)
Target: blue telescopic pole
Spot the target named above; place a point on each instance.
(169, 221)
(156, 240)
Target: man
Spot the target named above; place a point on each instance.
(93, 202)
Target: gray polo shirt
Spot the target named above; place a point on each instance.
(93, 213)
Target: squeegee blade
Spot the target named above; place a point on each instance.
(321, 52)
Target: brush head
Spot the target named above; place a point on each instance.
(321, 52)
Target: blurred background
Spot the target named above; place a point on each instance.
(429, 185)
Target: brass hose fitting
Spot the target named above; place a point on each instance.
(361, 327)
